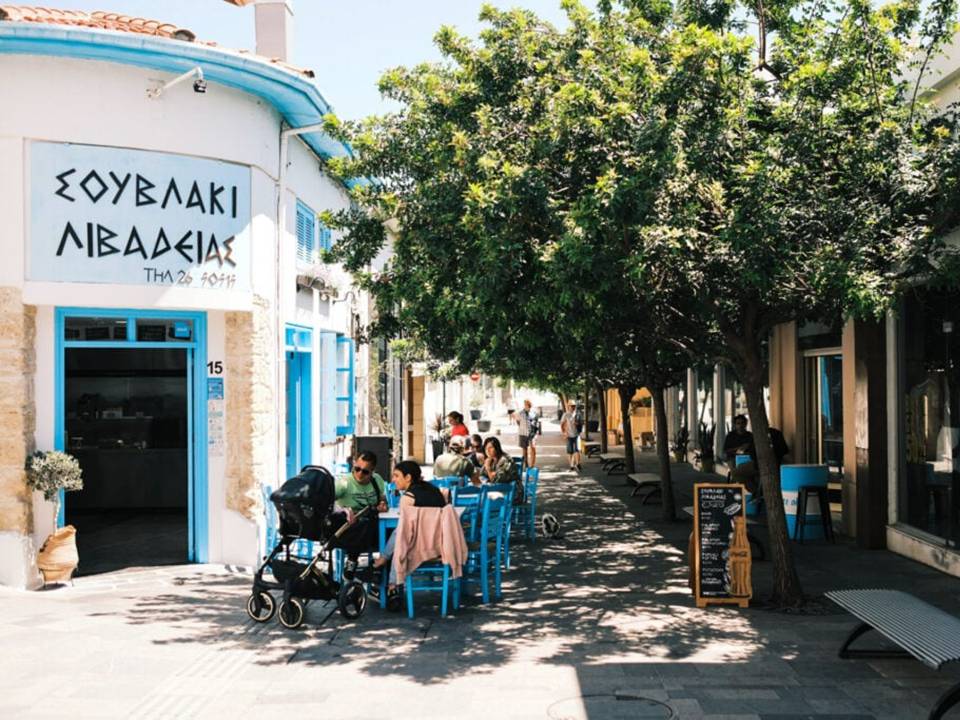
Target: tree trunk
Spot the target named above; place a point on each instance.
(626, 395)
(787, 591)
(602, 393)
(586, 410)
(663, 454)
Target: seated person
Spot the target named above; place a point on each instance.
(452, 462)
(362, 488)
(748, 473)
(416, 492)
(739, 441)
(475, 451)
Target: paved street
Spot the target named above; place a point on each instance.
(603, 613)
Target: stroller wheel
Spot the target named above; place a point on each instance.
(261, 607)
(352, 600)
(291, 614)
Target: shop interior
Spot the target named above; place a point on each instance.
(126, 420)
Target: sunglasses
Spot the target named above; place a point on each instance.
(361, 470)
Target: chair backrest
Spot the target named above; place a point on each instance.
(532, 481)
(493, 517)
(505, 489)
(468, 495)
(445, 483)
(518, 462)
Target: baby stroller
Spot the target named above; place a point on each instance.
(305, 507)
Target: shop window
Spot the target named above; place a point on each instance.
(306, 233)
(929, 488)
(94, 329)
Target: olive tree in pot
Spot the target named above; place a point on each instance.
(49, 473)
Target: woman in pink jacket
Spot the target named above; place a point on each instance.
(414, 492)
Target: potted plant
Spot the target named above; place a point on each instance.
(679, 447)
(476, 402)
(49, 473)
(704, 455)
(483, 426)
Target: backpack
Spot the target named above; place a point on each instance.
(578, 421)
(534, 420)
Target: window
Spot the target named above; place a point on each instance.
(929, 483)
(312, 235)
(345, 399)
(306, 233)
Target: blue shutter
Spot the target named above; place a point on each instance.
(306, 232)
(325, 237)
(328, 386)
(346, 418)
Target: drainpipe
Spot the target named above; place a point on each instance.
(285, 136)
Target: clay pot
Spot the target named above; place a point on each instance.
(58, 558)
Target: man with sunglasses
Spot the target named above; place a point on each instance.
(362, 487)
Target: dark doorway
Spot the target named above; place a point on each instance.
(126, 419)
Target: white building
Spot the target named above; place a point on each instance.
(163, 316)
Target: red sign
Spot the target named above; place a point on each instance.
(475, 376)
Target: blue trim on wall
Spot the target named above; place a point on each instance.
(198, 491)
(296, 98)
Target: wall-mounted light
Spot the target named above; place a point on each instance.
(199, 84)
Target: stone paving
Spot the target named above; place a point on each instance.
(598, 625)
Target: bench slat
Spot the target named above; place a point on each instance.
(926, 632)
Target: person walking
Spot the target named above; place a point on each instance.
(528, 427)
(568, 425)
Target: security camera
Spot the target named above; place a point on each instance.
(199, 85)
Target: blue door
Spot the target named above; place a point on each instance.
(299, 361)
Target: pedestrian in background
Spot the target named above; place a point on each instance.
(568, 425)
(528, 427)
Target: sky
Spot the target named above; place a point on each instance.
(347, 43)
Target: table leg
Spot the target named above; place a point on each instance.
(383, 575)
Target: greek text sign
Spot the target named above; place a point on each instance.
(133, 217)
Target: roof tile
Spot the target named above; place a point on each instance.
(104, 20)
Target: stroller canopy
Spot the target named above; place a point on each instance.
(303, 503)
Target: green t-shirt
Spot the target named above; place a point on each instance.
(353, 495)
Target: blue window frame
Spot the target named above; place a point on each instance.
(306, 233)
(129, 329)
(346, 419)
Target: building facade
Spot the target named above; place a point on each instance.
(166, 317)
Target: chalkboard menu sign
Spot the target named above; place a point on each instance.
(721, 550)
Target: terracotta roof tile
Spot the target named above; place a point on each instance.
(103, 20)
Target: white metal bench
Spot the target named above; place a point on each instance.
(926, 632)
(646, 483)
(613, 463)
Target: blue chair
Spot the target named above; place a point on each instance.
(471, 498)
(507, 490)
(445, 483)
(393, 496)
(525, 515)
(271, 537)
(484, 554)
(518, 461)
(432, 576)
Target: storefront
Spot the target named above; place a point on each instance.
(163, 314)
(924, 428)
